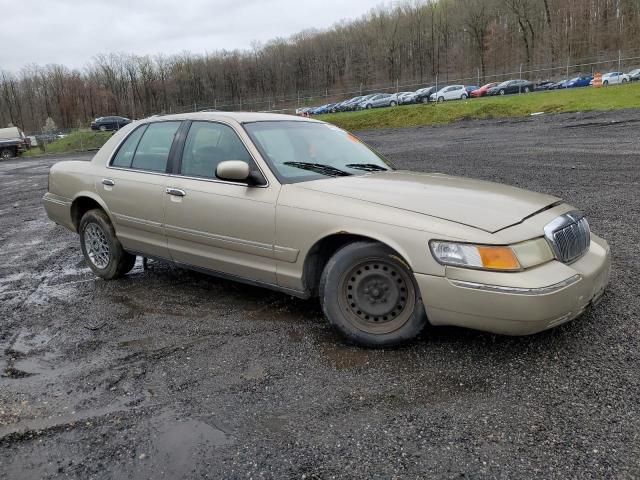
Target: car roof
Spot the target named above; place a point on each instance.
(240, 117)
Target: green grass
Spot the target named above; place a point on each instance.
(78, 141)
(573, 100)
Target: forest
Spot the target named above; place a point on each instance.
(410, 43)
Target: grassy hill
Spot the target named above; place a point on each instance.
(79, 141)
(573, 100)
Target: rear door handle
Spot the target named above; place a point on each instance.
(176, 192)
(108, 182)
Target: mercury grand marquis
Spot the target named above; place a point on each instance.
(306, 208)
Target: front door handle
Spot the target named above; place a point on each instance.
(108, 182)
(176, 192)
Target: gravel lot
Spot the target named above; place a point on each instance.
(173, 374)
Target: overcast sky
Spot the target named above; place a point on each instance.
(71, 32)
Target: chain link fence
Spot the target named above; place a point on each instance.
(536, 73)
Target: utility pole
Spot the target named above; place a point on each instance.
(520, 86)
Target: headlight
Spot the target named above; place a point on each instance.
(485, 257)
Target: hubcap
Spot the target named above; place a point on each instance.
(96, 245)
(377, 296)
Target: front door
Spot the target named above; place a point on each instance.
(133, 187)
(226, 227)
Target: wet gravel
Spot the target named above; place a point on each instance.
(173, 374)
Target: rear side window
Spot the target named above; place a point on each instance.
(125, 153)
(154, 146)
(207, 145)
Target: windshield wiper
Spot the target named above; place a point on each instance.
(319, 168)
(367, 167)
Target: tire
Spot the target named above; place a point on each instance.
(7, 153)
(502, 92)
(392, 103)
(526, 90)
(463, 97)
(101, 248)
(102, 128)
(369, 107)
(384, 307)
(425, 100)
(605, 83)
(440, 99)
(624, 80)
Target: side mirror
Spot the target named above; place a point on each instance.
(234, 170)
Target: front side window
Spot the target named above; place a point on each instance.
(207, 145)
(299, 151)
(154, 146)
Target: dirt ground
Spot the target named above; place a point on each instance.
(173, 374)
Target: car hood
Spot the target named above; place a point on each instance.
(484, 205)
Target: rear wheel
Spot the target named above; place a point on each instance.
(624, 80)
(369, 294)
(7, 153)
(392, 103)
(101, 248)
(606, 82)
(369, 106)
(526, 90)
(425, 100)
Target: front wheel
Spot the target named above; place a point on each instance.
(440, 99)
(526, 90)
(502, 92)
(392, 104)
(369, 294)
(369, 107)
(463, 97)
(103, 128)
(605, 83)
(101, 248)
(624, 80)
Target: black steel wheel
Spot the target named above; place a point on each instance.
(377, 295)
(369, 294)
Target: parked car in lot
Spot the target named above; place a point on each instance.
(109, 123)
(305, 208)
(424, 94)
(406, 98)
(452, 92)
(634, 75)
(615, 78)
(543, 85)
(350, 104)
(471, 88)
(379, 100)
(511, 86)
(482, 91)
(12, 142)
(580, 81)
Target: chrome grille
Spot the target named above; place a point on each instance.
(569, 236)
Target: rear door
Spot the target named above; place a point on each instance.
(223, 226)
(134, 184)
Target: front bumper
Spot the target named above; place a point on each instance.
(519, 303)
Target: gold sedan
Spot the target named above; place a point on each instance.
(304, 207)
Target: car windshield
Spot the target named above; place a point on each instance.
(301, 151)
(504, 84)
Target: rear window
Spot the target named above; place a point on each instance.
(153, 149)
(125, 154)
